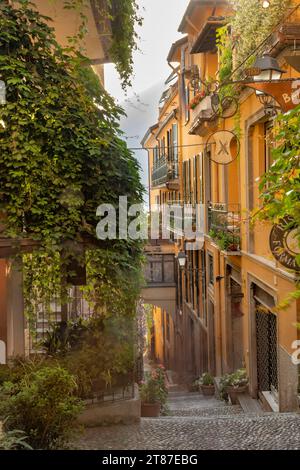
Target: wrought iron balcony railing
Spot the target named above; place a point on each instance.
(164, 171)
(182, 219)
(224, 222)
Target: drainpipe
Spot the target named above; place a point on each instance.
(219, 337)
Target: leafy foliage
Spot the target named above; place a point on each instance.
(154, 389)
(224, 44)
(105, 356)
(14, 440)
(61, 156)
(125, 15)
(206, 379)
(236, 379)
(61, 153)
(251, 24)
(280, 186)
(43, 406)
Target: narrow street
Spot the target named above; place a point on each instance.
(199, 423)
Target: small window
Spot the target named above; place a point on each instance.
(187, 103)
(211, 269)
(168, 326)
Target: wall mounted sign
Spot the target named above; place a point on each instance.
(224, 147)
(284, 243)
(285, 91)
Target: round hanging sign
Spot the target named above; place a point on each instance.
(224, 147)
(284, 243)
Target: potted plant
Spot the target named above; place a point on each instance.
(234, 384)
(153, 393)
(207, 384)
(197, 99)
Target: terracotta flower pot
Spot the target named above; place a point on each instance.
(233, 393)
(150, 410)
(208, 390)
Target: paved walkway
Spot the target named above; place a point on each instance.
(199, 423)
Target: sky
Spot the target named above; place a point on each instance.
(159, 31)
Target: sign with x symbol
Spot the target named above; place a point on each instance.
(223, 147)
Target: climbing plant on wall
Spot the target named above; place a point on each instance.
(61, 151)
(61, 155)
(251, 24)
(280, 186)
(124, 16)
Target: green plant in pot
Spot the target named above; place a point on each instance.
(207, 384)
(153, 393)
(233, 384)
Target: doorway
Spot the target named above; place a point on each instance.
(266, 350)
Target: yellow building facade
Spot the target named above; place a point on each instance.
(226, 297)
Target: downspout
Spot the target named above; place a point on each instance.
(219, 337)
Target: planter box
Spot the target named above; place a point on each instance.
(150, 410)
(207, 390)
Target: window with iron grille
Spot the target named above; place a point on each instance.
(211, 279)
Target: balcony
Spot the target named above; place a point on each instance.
(182, 220)
(286, 35)
(224, 221)
(201, 113)
(207, 38)
(165, 172)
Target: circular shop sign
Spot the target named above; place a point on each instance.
(284, 243)
(224, 147)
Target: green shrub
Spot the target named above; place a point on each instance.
(5, 374)
(43, 406)
(14, 440)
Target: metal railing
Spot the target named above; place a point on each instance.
(111, 395)
(224, 221)
(163, 171)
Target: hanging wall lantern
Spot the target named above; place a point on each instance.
(268, 69)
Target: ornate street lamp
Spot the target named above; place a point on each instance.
(265, 77)
(267, 69)
(181, 258)
(2, 93)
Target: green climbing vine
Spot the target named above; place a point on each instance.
(61, 151)
(61, 156)
(124, 17)
(280, 186)
(251, 24)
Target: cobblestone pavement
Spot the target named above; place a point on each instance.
(199, 423)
